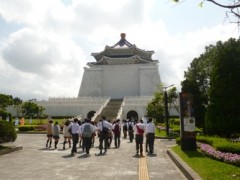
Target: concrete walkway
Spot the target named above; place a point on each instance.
(37, 162)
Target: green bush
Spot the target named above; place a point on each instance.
(178, 140)
(205, 139)
(231, 147)
(5, 114)
(26, 128)
(7, 132)
(175, 122)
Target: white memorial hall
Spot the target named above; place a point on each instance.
(119, 84)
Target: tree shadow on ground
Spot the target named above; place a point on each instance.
(192, 154)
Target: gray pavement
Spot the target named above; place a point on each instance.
(37, 162)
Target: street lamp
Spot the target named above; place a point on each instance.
(166, 107)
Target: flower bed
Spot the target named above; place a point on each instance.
(221, 156)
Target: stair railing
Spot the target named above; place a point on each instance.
(119, 114)
(100, 110)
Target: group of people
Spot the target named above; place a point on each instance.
(85, 132)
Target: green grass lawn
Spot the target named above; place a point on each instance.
(208, 168)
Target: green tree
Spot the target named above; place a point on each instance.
(223, 116)
(5, 101)
(173, 99)
(30, 108)
(196, 82)
(17, 105)
(155, 108)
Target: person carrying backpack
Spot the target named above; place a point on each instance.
(125, 129)
(139, 129)
(104, 128)
(117, 133)
(87, 134)
(130, 130)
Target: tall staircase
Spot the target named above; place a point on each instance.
(110, 111)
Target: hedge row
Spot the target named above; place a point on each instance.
(220, 144)
(32, 128)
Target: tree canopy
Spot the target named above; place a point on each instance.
(5, 101)
(155, 108)
(213, 79)
(223, 117)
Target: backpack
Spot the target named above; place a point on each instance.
(125, 127)
(130, 127)
(87, 131)
(140, 131)
(116, 129)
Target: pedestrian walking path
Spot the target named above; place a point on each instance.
(37, 162)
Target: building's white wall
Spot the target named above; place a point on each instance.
(149, 80)
(72, 106)
(119, 81)
(92, 82)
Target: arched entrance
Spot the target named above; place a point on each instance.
(132, 115)
(90, 114)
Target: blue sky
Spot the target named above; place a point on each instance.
(44, 45)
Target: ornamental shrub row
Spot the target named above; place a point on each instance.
(27, 128)
(32, 128)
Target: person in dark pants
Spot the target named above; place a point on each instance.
(117, 133)
(125, 129)
(87, 134)
(75, 129)
(131, 130)
(139, 131)
(104, 128)
(150, 131)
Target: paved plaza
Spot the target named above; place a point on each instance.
(37, 162)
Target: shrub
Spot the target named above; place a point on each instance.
(26, 128)
(7, 132)
(5, 114)
(41, 128)
(232, 148)
(204, 139)
(178, 140)
(175, 122)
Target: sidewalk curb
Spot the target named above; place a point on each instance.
(10, 150)
(186, 169)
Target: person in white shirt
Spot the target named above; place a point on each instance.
(94, 133)
(139, 132)
(49, 133)
(150, 131)
(66, 134)
(56, 132)
(104, 128)
(75, 130)
(87, 133)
